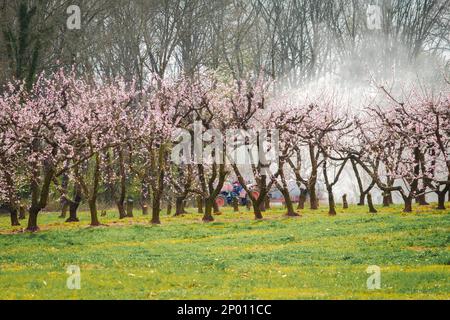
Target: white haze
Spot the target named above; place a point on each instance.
(356, 83)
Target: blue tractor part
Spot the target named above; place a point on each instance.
(226, 197)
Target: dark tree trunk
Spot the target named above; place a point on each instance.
(32, 220)
(121, 209)
(421, 199)
(267, 203)
(144, 198)
(94, 213)
(331, 203)
(22, 212)
(179, 206)
(158, 187)
(386, 200)
(314, 202)
(441, 200)
(344, 201)
(39, 193)
(390, 198)
(200, 204)
(362, 194)
(216, 208)
(73, 207)
(248, 204)
(370, 203)
(289, 205)
(64, 186)
(301, 201)
(169, 207)
(73, 212)
(408, 204)
(92, 199)
(209, 204)
(362, 199)
(130, 206)
(156, 209)
(262, 206)
(257, 211)
(123, 182)
(14, 217)
(64, 208)
(283, 187)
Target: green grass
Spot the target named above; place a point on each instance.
(313, 257)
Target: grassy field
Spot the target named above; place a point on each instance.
(313, 257)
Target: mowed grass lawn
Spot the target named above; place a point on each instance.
(313, 257)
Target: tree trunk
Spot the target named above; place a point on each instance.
(267, 203)
(390, 198)
(158, 187)
(200, 204)
(216, 208)
(179, 206)
(169, 207)
(421, 199)
(22, 212)
(331, 203)
(130, 205)
(14, 217)
(370, 203)
(362, 199)
(408, 204)
(314, 202)
(93, 198)
(144, 198)
(64, 208)
(362, 195)
(121, 209)
(94, 214)
(344, 201)
(301, 201)
(289, 205)
(257, 211)
(441, 200)
(386, 200)
(262, 206)
(73, 212)
(32, 220)
(156, 209)
(209, 204)
(73, 207)
(123, 182)
(64, 186)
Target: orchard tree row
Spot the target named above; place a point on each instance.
(77, 135)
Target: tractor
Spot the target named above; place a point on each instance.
(235, 190)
